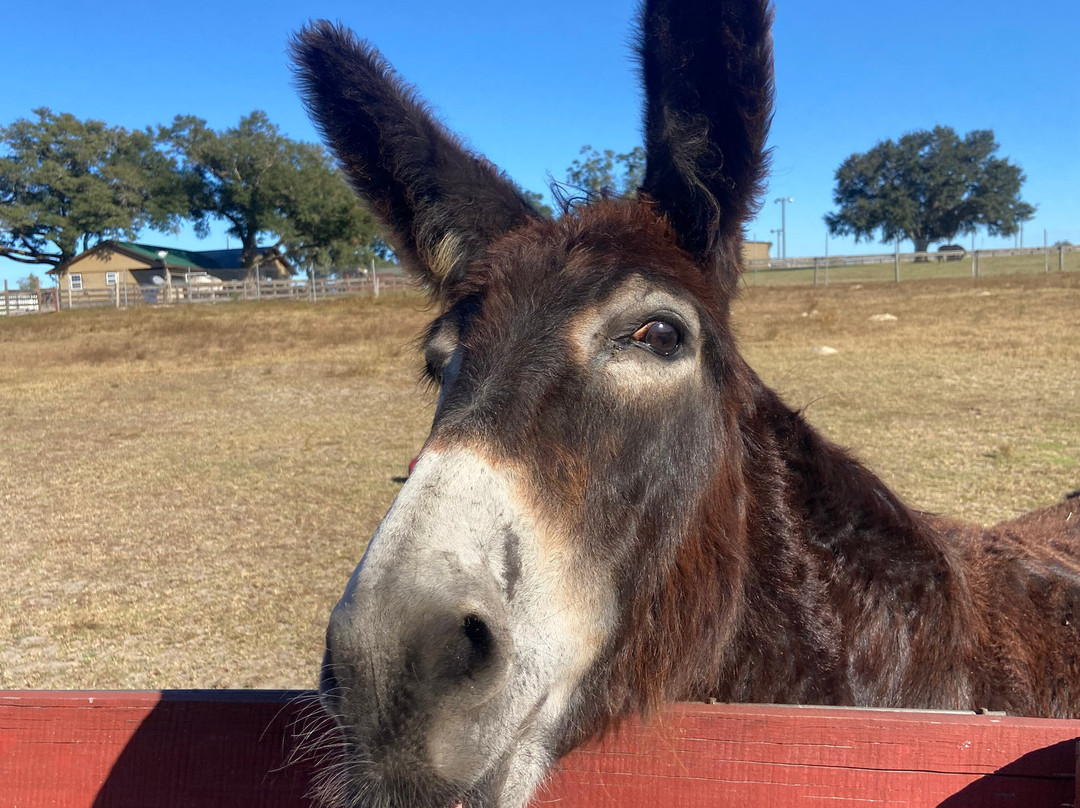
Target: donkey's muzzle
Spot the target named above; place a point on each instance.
(389, 674)
(420, 654)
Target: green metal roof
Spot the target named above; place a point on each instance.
(175, 258)
(213, 261)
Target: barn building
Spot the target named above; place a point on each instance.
(119, 263)
(756, 250)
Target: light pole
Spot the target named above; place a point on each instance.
(163, 254)
(783, 200)
(777, 232)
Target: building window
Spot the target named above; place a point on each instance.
(110, 278)
(75, 281)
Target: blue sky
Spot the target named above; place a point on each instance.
(528, 84)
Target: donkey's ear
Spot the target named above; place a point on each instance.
(707, 70)
(441, 205)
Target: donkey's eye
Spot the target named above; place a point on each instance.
(659, 337)
(436, 358)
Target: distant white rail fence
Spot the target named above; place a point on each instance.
(26, 301)
(916, 265)
(180, 293)
(813, 269)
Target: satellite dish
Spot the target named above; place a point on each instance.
(157, 280)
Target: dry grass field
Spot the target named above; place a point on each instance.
(184, 492)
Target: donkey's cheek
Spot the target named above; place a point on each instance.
(564, 610)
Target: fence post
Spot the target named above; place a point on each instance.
(7, 302)
(826, 259)
(1046, 254)
(1061, 258)
(896, 262)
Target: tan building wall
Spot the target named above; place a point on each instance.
(275, 269)
(756, 250)
(94, 268)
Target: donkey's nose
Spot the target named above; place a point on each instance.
(435, 652)
(464, 651)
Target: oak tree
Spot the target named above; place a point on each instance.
(928, 187)
(67, 184)
(272, 189)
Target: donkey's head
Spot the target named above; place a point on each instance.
(569, 545)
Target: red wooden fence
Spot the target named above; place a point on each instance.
(237, 749)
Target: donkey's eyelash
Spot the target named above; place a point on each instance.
(431, 375)
(627, 329)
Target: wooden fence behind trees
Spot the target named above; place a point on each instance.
(125, 295)
(26, 301)
(881, 267)
(899, 266)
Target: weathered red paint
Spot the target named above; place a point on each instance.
(755, 756)
(221, 749)
(171, 749)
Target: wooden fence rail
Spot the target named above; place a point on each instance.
(1057, 252)
(226, 749)
(843, 268)
(23, 301)
(180, 293)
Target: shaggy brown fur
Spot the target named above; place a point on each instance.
(751, 559)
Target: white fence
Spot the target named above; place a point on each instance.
(180, 293)
(815, 269)
(22, 301)
(914, 265)
(1051, 254)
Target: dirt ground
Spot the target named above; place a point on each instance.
(184, 492)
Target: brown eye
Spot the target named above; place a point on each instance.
(659, 337)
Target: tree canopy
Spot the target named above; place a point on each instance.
(929, 187)
(67, 184)
(324, 225)
(536, 199)
(267, 186)
(595, 171)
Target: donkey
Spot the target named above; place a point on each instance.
(612, 510)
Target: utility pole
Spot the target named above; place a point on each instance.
(783, 200)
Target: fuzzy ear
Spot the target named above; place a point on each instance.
(708, 76)
(441, 205)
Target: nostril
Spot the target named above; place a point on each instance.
(460, 648)
(481, 641)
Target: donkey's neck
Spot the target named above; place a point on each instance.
(847, 583)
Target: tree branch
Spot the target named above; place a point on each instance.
(27, 257)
